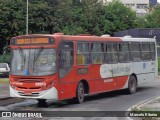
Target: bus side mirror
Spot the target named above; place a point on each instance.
(4, 53)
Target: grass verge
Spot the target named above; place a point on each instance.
(4, 80)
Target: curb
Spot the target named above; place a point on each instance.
(140, 104)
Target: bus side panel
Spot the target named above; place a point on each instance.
(69, 77)
(66, 91)
(100, 86)
(115, 76)
(140, 71)
(120, 82)
(68, 85)
(145, 71)
(150, 70)
(84, 73)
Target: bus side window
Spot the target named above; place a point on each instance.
(82, 53)
(97, 53)
(124, 52)
(153, 53)
(145, 51)
(135, 51)
(111, 52)
(66, 58)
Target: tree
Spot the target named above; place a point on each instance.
(118, 17)
(152, 19)
(12, 19)
(68, 16)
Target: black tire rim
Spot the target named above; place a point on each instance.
(132, 85)
(81, 93)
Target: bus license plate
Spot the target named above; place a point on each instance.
(28, 93)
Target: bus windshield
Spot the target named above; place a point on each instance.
(33, 62)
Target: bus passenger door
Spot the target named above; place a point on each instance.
(66, 70)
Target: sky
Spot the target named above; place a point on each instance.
(158, 1)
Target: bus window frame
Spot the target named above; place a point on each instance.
(135, 51)
(103, 61)
(151, 52)
(145, 60)
(89, 53)
(126, 42)
(117, 52)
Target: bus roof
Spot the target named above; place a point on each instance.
(91, 37)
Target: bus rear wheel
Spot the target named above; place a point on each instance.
(80, 93)
(132, 84)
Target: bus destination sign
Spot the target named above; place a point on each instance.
(32, 41)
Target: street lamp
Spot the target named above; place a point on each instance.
(27, 20)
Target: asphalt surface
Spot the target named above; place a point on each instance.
(111, 101)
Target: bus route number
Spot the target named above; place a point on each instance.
(40, 84)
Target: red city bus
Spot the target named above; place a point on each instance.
(62, 67)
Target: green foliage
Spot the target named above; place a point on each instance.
(4, 81)
(7, 58)
(118, 17)
(68, 16)
(151, 20)
(12, 20)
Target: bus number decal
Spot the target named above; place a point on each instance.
(40, 84)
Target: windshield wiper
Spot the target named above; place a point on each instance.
(37, 56)
(23, 57)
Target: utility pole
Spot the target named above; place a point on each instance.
(27, 20)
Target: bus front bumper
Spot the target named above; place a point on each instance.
(51, 93)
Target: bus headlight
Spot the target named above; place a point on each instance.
(49, 86)
(52, 84)
(14, 87)
(43, 88)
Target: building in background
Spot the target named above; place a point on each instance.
(153, 2)
(140, 6)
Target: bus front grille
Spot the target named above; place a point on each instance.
(29, 80)
(28, 94)
(33, 88)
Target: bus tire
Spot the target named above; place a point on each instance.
(80, 93)
(41, 100)
(132, 84)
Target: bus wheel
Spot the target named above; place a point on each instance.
(41, 100)
(132, 85)
(80, 93)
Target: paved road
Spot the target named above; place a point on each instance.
(112, 101)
